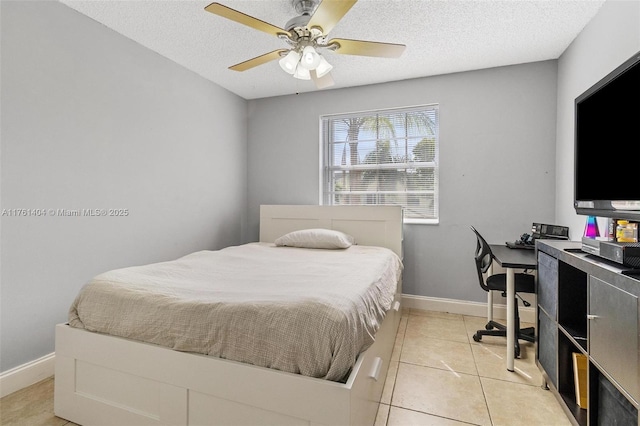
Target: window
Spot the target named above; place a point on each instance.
(385, 157)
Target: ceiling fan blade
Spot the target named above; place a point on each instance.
(322, 82)
(241, 18)
(367, 48)
(258, 60)
(329, 13)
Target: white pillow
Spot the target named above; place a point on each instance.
(317, 238)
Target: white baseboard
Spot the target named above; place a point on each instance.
(27, 374)
(464, 307)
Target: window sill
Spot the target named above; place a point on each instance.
(408, 221)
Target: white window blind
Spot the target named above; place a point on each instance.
(385, 157)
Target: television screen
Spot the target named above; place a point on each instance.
(607, 145)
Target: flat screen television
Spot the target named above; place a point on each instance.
(607, 145)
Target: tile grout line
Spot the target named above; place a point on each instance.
(393, 387)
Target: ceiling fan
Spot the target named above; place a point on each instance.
(306, 34)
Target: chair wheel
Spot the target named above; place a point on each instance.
(477, 337)
(488, 326)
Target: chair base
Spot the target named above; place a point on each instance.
(527, 334)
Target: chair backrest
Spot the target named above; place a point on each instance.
(483, 258)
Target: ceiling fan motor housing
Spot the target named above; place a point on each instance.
(297, 22)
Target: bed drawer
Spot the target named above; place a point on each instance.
(207, 410)
(373, 368)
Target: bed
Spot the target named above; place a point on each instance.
(132, 379)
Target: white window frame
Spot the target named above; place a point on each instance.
(326, 169)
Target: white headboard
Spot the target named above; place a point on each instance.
(369, 225)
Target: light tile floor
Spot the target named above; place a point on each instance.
(438, 376)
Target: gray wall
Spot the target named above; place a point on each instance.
(497, 158)
(92, 120)
(611, 38)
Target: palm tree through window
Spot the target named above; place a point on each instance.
(384, 157)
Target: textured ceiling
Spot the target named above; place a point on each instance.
(442, 36)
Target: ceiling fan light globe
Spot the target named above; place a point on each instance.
(323, 67)
(302, 73)
(310, 58)
(289, 62)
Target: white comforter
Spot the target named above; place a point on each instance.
(304, 311)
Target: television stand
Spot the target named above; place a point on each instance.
(591, 308)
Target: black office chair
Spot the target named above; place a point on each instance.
(525, 283)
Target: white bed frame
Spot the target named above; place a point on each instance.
(102, 379)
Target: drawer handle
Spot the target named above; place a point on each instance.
(375, 369)
(592, 317)
(396, 306)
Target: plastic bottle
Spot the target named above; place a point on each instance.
(629, 233)
(611, 233)
(622, 224)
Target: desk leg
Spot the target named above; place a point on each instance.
(511, 335)
(489, 306)
(490, 297)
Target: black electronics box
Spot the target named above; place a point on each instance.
(542, 231)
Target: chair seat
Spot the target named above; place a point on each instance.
(525, 283)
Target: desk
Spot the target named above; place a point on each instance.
(512, 259)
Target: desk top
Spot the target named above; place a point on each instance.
(513, 258)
